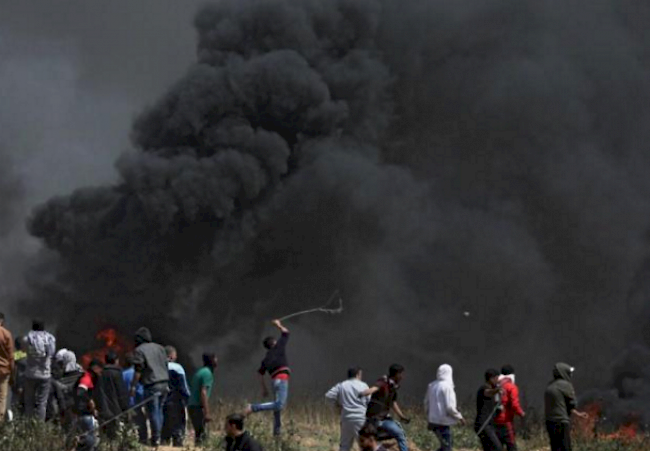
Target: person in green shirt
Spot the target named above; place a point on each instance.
(199, 405)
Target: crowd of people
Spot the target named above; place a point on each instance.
(367, 412)
(151, 390)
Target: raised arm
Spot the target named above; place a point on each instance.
(277, 323)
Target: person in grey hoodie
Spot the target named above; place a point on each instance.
(41, 347)
(560, 403)
(353, 407)
(440, 407)
(150, 362)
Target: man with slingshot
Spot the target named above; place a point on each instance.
(277, 365)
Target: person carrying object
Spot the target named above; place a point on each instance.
(488, 402)
(277, 365)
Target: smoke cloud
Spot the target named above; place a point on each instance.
(423, 157)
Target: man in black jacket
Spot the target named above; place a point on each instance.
(488, 401)
(277, 365)
(111, 395)
(236, 438)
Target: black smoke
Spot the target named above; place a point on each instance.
(426, 158)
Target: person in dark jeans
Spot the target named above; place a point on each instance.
(237, 439)
(441, 408)
(40, 347)
(199, 404)
(560, 403)
(487, 403)
(383, 400)
(150, 362)
(277, 365)
(174, 409)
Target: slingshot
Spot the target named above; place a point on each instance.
(329, 307)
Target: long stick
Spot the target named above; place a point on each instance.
(496, 407)
(321, 309)
(119, 415)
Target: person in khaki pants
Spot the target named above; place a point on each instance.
(6, 365)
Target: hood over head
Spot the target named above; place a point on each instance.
(68, 360)
(142, 335)
(563, 371)
(445, 373)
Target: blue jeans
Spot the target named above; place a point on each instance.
(280, 393)
(444, 436)
(394, 430)
(155, 409)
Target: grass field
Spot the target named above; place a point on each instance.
(311, 426)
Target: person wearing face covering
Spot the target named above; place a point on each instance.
(560, 403)
(504, 420)
(440, 407)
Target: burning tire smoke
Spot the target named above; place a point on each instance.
(426, 158)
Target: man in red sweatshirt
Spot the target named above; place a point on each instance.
(504, 421)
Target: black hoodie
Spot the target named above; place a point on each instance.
(560, 397)
(149, 359)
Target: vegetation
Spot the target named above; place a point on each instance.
(309, 426)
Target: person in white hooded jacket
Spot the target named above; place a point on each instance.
(440, 407)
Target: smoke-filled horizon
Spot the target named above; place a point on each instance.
(426, 159)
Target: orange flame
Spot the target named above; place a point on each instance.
(588, 427)
(111, 341)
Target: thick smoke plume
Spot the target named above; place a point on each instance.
(425, 157)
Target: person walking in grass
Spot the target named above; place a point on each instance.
(111, 395)
(139, 417)
(488, 402)
(199, 403)
(560, 403)
(440, 407)
(383, 401)
(150, 362)
(41, 347)
(277, 365)
(353, 407)
(174, 410)
(505, 418)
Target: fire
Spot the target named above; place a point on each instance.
(589, 427)
(111, 341)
